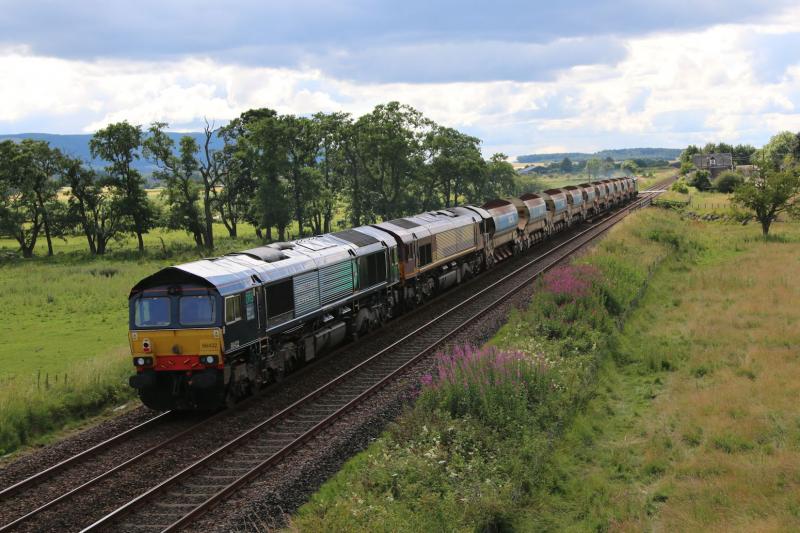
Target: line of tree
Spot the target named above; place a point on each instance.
(272, 171)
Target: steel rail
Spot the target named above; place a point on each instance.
(596, 229)
(16, 487)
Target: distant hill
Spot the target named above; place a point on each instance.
(77, 145)
(617, 155)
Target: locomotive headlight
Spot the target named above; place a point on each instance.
(143, 361)
(208, 359)
(140, 361)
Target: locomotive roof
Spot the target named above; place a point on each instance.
(429, 223)
(239, 271)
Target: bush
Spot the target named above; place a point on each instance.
(701, 180)
(680, 186)
(728, 181)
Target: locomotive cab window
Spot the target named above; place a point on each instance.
(425, 255)
(152, 312)
(198, 310)
(233, 309)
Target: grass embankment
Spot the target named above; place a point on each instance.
(474, 451)
(696, 425)
(64, 349)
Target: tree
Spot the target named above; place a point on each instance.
(742, 154)
(768, 194)
(262, 143)
(335, 130)
(593, 167)
(630, 167)
(724, 148)
(779, 151)
(273, 207)
(301, 136)
(566, 165)
(93, 204)
(120, 144)
(43, 164)
(686, 155)
(208, 165)
(498, 180)
(181, 192)
(454, 158)
(390, 158)
(686, 168)
(235, 168)
(21, 216)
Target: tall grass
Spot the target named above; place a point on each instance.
(34, 405)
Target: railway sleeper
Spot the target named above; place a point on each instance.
(283, 436)
(272, 442)
(144, 527)
(231, 469)
(218, 479)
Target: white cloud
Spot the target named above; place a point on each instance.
(671, 89)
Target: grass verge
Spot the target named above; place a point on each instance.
(696, 425)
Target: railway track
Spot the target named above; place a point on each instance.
(184, 496)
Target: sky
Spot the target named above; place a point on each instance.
(525, 77)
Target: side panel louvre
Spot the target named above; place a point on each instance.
(336, 282)
(453, 241)
(306, 293)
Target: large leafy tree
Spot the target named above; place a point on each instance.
(42, 164)
(335, 130)
(593, 167)
(455, 160)
(780, 152)
(302, 138)
(686, 155)
(120, 144)
(768, 194)
(236, 171)
(391, 157)
(179, 174)
(498, 179)
(261, 144)
(773, 190)
(21, 216)
(94, 204)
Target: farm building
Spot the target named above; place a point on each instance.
(714, 163)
